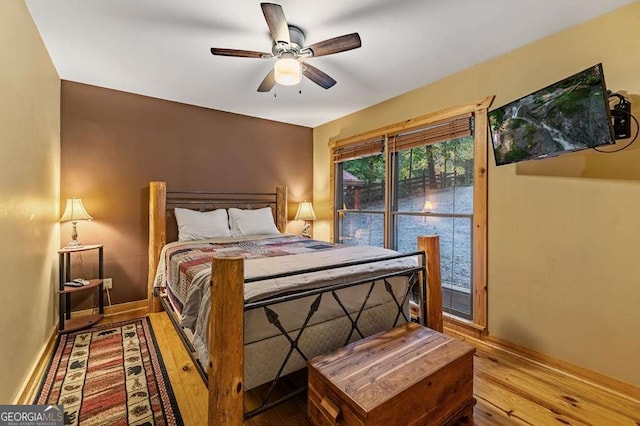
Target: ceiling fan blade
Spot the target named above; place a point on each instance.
(240, 53)
(277, 23)
(317, 76)
(335, 45)
(268, 82)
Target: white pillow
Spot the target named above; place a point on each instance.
(252, 222)
(194, 225)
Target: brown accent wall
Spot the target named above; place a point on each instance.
(113, 143)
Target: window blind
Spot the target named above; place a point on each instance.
(439, 131)
(359, 149)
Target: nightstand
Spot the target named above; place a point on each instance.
(66, 323)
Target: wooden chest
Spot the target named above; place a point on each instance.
(410, 375)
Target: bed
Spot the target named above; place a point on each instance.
(267, 302)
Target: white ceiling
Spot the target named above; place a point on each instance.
(160, 48)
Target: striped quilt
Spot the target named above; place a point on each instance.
(184, 261)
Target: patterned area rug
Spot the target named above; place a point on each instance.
(110, 375)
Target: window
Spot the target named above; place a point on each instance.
(360, 193)
(362, 197)
(434, 196)
(428, 178)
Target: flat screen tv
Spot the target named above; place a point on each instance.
(569, 115)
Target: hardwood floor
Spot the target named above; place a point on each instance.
(510, 390)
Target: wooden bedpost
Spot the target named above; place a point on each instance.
(226, 342)
(431, 246)
(157, 237)
(281, 208)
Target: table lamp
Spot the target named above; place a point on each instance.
(74, 212)
(306, 213)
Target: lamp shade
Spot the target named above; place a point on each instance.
(427, 206)
(287, 71)
(305, 211)
(75, 211)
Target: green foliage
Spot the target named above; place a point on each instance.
(516, 122)
(496, 118)
(570, 101)
(369, 169)
(530, 132)
(446, 157)
(516, 153)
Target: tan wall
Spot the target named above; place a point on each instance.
(29, 190)
(114, 143)
(564, 233)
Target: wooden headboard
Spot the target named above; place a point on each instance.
(162, 222)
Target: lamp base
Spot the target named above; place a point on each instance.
(305, 230)
(74, 244)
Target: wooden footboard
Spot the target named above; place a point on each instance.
(433, 303)
(226, 343)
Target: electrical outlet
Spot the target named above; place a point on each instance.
(107, 283)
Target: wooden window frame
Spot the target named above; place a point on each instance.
(480, 165)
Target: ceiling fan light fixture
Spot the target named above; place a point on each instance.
(287, 71)
(288, 46)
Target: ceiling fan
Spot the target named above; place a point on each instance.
(289, 48)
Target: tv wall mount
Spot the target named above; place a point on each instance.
(621, 115)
